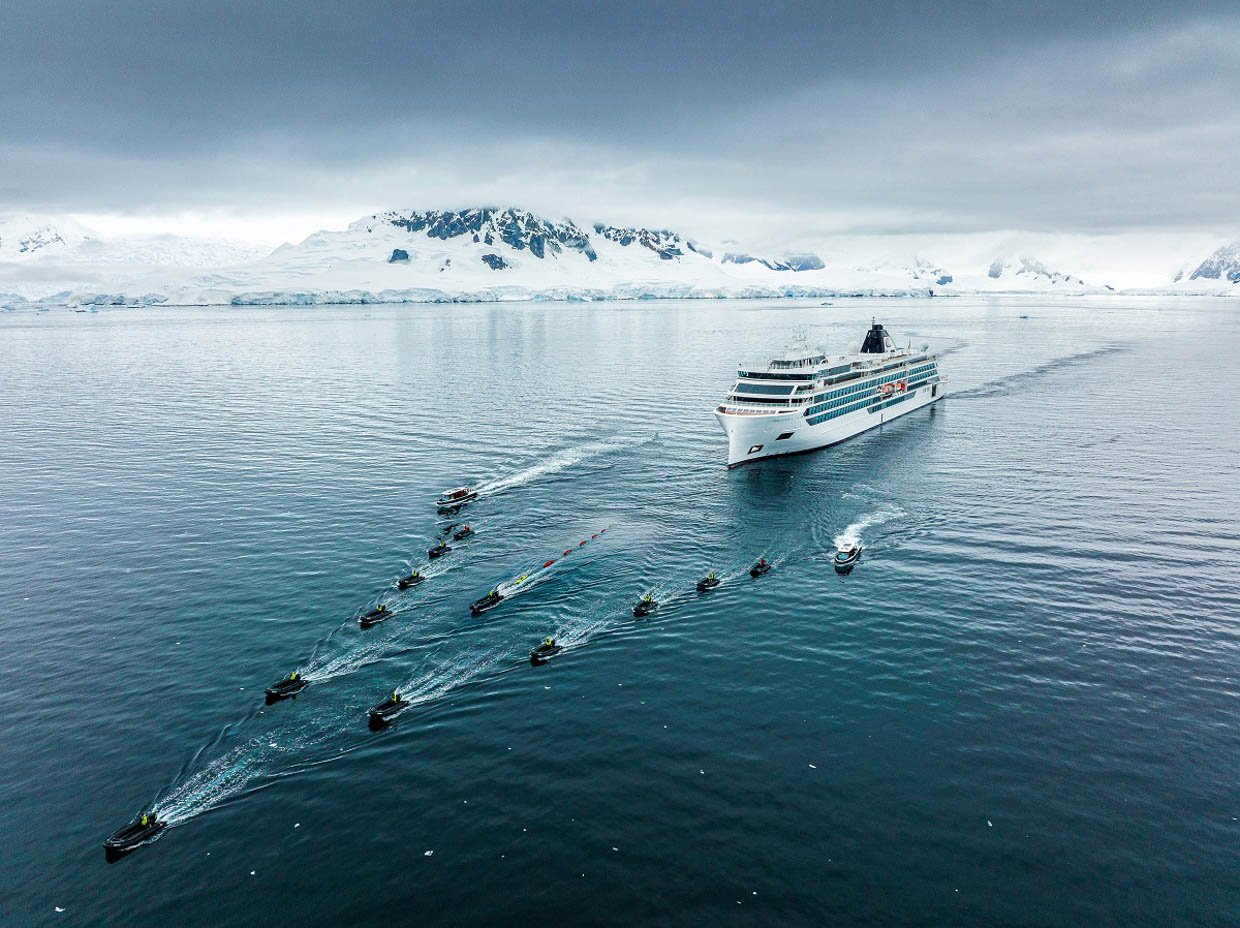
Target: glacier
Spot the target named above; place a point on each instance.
(487, 254)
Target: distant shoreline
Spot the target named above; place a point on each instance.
(102, 301)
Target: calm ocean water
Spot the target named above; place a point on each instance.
(1020, 709)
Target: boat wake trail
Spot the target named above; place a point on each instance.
(295, 744)
(559, 461)
(852, 534)
(323, 666)
(434, 681)
(1013, 382)
(348, 662)
(222, 779)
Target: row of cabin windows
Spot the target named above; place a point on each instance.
(836, 404)
(898, 398)
(838, 408)
(761, 400)
(834, 371)
(836, 398)
(856, 407)
(772, 375)
(843, 391)
(767, 389)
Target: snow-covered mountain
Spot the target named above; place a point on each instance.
(23, 238)
(495, 253)
(1029, 269)
(51, 258)
(1223, 265)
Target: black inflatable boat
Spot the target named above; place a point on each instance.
(375, 616)
(387, 710)
(709, 582)
(544, 652)
(132, 836)
(644, 607)
(490, 601)
(413, 579)
(291, 685)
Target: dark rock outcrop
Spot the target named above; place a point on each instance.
(663, 242)
(516, 228)
(1224, 264)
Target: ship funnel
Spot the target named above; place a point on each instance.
(877, 341)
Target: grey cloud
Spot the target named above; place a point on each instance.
(823, 118)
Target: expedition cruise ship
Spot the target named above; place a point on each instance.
(808, 400)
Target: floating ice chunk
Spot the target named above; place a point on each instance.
(251, 873)
(59, 908)
(428, 853)
(991, 824)
(297, 824)
(812, 767)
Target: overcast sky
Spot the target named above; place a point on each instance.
(269, 120)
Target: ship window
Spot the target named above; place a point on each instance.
(773, 375)
(759, 400)
(783, 436)
(754, 449)
(763, 388)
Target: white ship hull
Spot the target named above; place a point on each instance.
(754, 437)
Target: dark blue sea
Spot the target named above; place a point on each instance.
(1022, 708)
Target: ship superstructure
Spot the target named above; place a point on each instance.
(808, 399)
